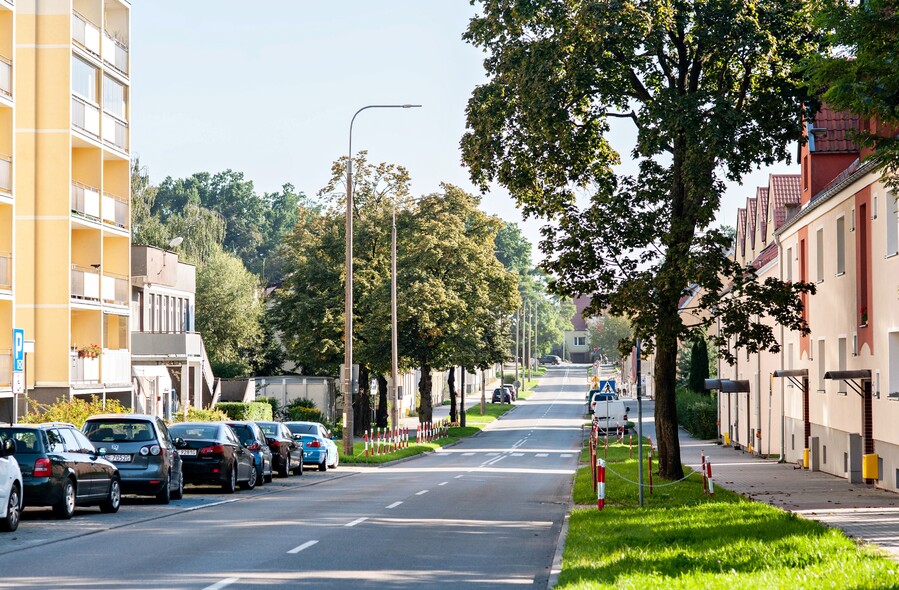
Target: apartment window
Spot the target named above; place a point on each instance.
(152, 313)
(893, 375)
(822, 367)
(852, 220)
(580, 341)
(114, 98)
(874, 207)
(789, 269)
(841, 246)
(841, 352)
(84, 80)
(790, 355)
(819, 253)
(892, 225)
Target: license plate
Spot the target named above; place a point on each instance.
(119, 458)
(187, 452)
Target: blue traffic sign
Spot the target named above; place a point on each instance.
(18, 355)
(607, 386)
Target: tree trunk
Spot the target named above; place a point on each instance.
(381, 416)
(451, 381)
(362, 404)
(462, 400)
(425, 411)
(666, 409)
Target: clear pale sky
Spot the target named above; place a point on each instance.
(268, 88)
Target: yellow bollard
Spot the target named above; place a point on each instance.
(726, 438)
(805, 453)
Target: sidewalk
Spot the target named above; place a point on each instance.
(441, 412)
(861, 511)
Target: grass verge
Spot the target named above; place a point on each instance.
(684, 539)
(474, 423)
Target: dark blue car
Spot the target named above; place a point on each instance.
(253, 438)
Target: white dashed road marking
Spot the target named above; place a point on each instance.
(222, 584)
(394, 505)
(305, 545)
(421, 493)
(357, 521)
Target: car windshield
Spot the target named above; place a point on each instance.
(119, 431)
(243, 431)
(27, 440)
(195, 431)
(303, 428)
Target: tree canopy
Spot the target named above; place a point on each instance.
(713, 90)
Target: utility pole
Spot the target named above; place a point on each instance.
(639, 423)
(517, 348)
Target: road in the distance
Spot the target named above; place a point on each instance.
(485, 513)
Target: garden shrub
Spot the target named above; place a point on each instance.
(198, 415)
(697, 413)
(246, 410)
(75, 411)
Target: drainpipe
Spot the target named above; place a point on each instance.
(758, 395)
(783, 414)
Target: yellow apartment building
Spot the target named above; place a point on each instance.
(64, 198)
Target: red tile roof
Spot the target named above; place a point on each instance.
(765, 256)
(761, 194)
(578, 320)
(833, 131)
(782, 189)
(741, 231)
(751, 220)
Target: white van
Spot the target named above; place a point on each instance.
(610, 414)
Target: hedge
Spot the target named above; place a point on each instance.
(246, 410)
(198, 415)
(74, 411)
(304, 414)
(697, 413)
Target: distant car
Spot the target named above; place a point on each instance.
(598, 394)
(287, 452)
(501, 395)
(60, 468)
(550, 359)
(511, 389)
(11, 486)
(140, 446)
(610, 415)
(211, 453)
(253, 438)
(318, 448)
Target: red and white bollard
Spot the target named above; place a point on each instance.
(708, 467)
(365, 438)
(650, 470)
(600, 483)
(705, 485)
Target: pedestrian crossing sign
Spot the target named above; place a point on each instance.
(607, 386)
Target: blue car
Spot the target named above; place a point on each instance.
(318, 448)
(251, 435)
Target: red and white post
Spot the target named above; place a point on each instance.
(708, 467)
(705, 485)
(600, 483)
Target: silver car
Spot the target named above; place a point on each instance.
(10, 486)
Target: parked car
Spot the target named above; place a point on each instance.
(511, 389)
(287, 452)
(318, 447)
(610, 414)
(253, 438)
(550, 359)
(211, 453)
(501, 393)
(597, 395)
(62, 469)
(140, 446)
(11, 486)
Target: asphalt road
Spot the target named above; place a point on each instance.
(485, 513)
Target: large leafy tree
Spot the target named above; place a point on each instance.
(607, 332)
(859, 74)
(712, 89)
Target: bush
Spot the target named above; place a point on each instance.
(277, 412)
(301, 402)
(245, 410)
(304, 414)
(74, 411)
(697, 413)
(198, 415)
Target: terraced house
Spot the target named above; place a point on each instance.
(834, 224)
(64, 198)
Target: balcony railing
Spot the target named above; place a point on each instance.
(116, 366)
(86, 116)
(85, 284)
(5, 173)
(86, 201)
(5, 270)
(85, 34)
(115, 210)
(115, 54)
(115, 131)
(5, 367)
(114, 289)
(5, 75)
(84, 370)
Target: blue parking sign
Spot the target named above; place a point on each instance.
(18, 356)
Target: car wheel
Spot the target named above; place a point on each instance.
(260, 476)
(13, 511)
(284, 468)
(271, 474)
(251, 480)
(179, 491)
(299, 469)
(164, 496)
(230, 485)
(323, 466)
(114, 500)
(65, 508)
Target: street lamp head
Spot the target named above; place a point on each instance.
(411, 106)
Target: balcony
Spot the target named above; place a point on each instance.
(84, 370)
(5, 173)
(115, 54)
(85, 34)
(86, 201)
(5, 271)
(115, 132)
(114, 289)
(116, 366)
(85, 284)
(5, 367)
(5, 76)
(86, 117)
(115, 211)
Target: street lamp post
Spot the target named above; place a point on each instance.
(348, 311)
(394, 354)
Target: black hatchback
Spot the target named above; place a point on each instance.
(211, 453)
(61, 469)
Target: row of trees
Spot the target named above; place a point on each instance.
(714, 90)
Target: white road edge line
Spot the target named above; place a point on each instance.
(443, 483)
(357, 521)
(459, 476)
(208, 506)
(305, 545)
(394, 505)
(421, 493)
(222, 584)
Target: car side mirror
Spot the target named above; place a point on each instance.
(8, 448)
(249, 442)
(297, 437)
(627, 408)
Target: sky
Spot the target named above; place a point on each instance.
(268, 88)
